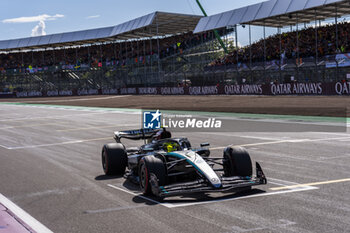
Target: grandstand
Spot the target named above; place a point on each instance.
(113, 56)
(168, 49)
(312, 54)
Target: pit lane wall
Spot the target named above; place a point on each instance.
(339, 88)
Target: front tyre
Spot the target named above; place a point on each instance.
(114, 159)
(237, 162)
(152, 173)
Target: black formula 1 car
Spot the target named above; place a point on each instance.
(166, 166)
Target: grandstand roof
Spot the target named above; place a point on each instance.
(276, 13)
(142, 27)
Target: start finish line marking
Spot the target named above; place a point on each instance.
(280, 183)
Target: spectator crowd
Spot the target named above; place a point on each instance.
(117, 53)
(326, 40)
(278, 47)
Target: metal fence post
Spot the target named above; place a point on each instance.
(158, 48)
(316, 47)
(298, 55)
(264, 29)
(236, 37)
(151, 57)
(280, 51)
(336, 41)
(250, 53)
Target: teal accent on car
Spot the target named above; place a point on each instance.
(180, 156)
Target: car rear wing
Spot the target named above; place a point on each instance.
(139, 134)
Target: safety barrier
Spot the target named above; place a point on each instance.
(338, 88)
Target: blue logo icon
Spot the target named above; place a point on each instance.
(152, 120)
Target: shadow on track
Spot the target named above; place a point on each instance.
(105, 177)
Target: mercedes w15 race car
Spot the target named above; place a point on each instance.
(166, 166)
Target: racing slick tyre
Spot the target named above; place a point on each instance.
(237, 162)
(152, 173)
(114, 159)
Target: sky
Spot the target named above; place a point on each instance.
(23, 18)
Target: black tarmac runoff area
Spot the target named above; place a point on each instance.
(50, 167)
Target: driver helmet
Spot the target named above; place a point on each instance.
(170, 146)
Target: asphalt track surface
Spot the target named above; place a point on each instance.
(50, 167)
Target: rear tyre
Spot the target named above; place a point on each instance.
(114, 159)
(237, 162)
(152, 173)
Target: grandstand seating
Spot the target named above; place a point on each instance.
(97, 56)
(307, 45)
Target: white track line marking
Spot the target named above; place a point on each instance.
(276, 183)
(52, 117)
(311, 184)
(5, 147)
(56, 144)
(328, 133)
(24, 216)
(95, 127)
(283, 141)
(328, 139)
(260, 143)
(170, 205)
(113, 209)
(134, 194)
(213, 148)
(335, 157)
(263, 138)
(283, 181)
(28, 126)
(73, 100)
(46, 193)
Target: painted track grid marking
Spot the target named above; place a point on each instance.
(94, 127)
(171, 205)
(213, 148)
(284, 141)
(50, 117)
(31, 126)
(55, 144)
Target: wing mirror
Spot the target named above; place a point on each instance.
(205, 144)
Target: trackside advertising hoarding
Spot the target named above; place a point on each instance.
(338, 88)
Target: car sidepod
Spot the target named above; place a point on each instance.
(200, 165)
